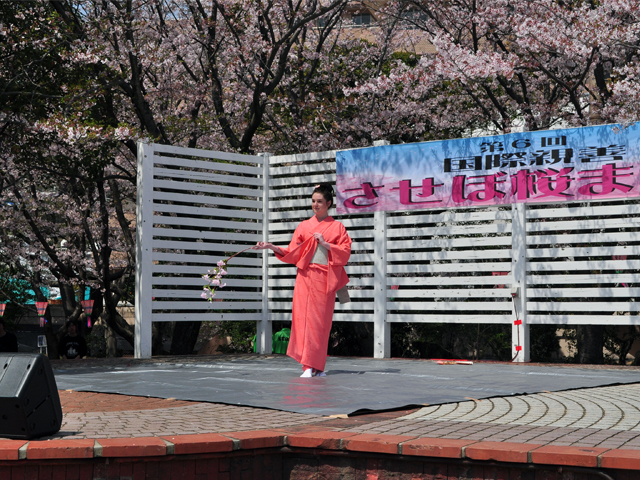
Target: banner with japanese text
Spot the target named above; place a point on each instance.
(577, 164)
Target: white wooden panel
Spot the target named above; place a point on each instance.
(584, 211)
(591, 251)
(205, 317)
(205, 234)
(233, 269)
(462, 293)
(207, 188)
(434, 281)
(584, 292)
(196, 152)
(439, 318)
(585, 265)
(453, 230)
(302, 157)
(211, 200)
(193, 175)
(590, 278)
(198, 282)
(450, 306)
(584, 306)
(205, 223)
(309, 180)
(568, 238)
(583, 224)
(205, 305)
(200, 246)
(223, 294)
(451, 267)
(584, 319)
(205, 260)
(471, 215)
(431, 243)
(449, 255)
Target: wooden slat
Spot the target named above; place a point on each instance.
(206, 317)
(194, 175)
(237, 203)
(208, 260)
(204, 305)
(583, 306)
(196, 152)
(583, 292)
(573, 319)
(221, 294)
(211, 189)
(439, 318)
(231, 282)
(451, 306)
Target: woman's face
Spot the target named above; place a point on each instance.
(320, 205)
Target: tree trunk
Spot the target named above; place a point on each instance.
(110, 341)
(590, 343)
(184, 338)
(157, 338)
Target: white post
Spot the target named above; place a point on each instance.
(381, 329)
(520, 350)
(264, 330)
(144, 224)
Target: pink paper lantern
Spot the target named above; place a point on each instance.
(2, 307)
(42, 308)
(87, 306)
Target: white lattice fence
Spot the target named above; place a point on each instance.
(292, 179)
(195, 208)
(584, 263)
(571, 264)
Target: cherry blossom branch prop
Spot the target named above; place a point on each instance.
(214, 277)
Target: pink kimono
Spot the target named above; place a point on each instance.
(314, 294)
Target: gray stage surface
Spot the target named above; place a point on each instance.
(351, 385)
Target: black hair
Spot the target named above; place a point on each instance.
(326, 190)
(71, 322)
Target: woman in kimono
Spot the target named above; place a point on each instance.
(320, 248)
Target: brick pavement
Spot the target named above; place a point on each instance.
(607, 417)
(597, 427)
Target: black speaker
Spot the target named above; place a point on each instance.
(29, 401)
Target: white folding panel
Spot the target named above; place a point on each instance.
(583, 263)
(196, 207)
(292, 181)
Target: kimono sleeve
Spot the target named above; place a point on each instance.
(296, 240)
(341, 248)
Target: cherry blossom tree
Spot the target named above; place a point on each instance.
(82, 81)
(535, 64)
(85, 79)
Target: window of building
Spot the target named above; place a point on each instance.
(362, 18)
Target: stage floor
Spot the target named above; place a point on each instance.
(352, 385)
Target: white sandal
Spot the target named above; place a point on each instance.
(308, 373)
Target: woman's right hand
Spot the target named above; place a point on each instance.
(261, 246)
